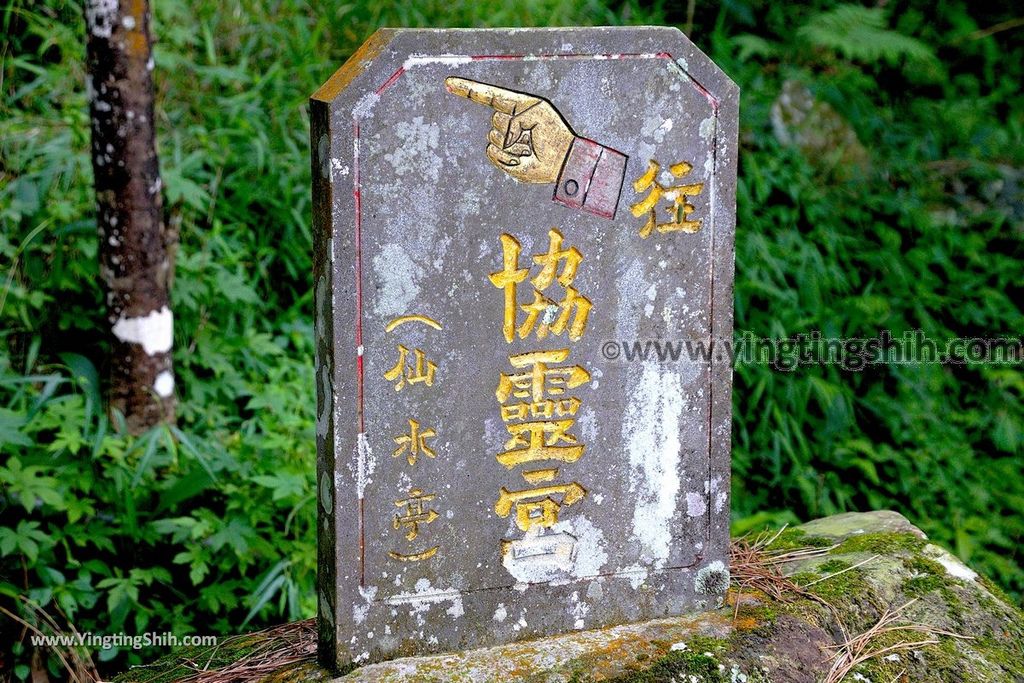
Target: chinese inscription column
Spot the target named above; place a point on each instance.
(537, 398)
(415, 507)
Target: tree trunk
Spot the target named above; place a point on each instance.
(133, 248)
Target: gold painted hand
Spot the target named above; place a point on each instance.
(528, 139)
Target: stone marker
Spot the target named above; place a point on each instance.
(496, 213)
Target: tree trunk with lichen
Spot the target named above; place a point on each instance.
(134, 244)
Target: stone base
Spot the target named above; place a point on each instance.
(763, 640)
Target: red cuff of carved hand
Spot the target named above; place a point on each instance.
(591, 178)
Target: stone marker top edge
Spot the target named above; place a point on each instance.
(354, 66)
(670, 39)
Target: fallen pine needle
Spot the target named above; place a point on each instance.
(841, 571)
(857, 650)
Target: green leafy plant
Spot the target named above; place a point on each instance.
(209, 525)
(862, 34)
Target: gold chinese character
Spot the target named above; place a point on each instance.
(414, 513)
(422, 371)
(507, 279)
(414, 557)
(540, 441)
(543, 306)
(543, 510)
(554, 317)
(543, 409)
(412, 318)
(540, 381)
(552, 258)
(414, 442)
(543, 545)
(678, 194)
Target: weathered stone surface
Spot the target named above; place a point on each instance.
(764, 641)
(852, 524)
(784, 642)
(493, 209)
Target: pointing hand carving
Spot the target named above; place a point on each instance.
(528, 139)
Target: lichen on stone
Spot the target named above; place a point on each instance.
(712, 579)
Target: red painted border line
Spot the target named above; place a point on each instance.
(478, 58)
(712, 100)
(570, 55)
(391, 80)
(357, 198)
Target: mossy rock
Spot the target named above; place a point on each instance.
(865, 564)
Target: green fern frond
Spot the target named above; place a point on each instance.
(861, 34)
(749, 45)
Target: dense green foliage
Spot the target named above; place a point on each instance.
(209, 526)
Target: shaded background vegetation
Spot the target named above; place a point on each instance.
(903, 211)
